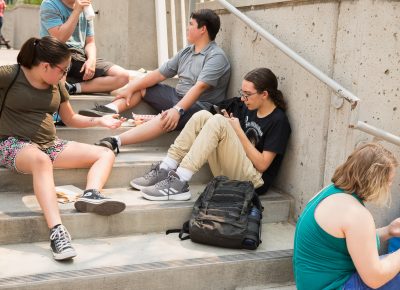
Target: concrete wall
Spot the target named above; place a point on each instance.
(21, 23)
(356, 43)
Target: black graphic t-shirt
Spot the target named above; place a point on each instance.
(270, 133)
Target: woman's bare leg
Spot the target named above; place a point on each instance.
(31, 160)
(100, 160)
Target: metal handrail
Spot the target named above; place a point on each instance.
(335, 86)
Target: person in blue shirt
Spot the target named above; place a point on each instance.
(65, 20)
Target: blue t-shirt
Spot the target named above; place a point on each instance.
(54, 13)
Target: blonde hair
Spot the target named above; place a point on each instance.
(366, 173)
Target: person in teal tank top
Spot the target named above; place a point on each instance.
(336, 243)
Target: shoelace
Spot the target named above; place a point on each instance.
(166, 181)
(97, 194)
(155, 168)
(61, 238)
(97, 106)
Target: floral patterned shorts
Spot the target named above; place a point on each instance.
(9, 148)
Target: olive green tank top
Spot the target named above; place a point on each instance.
(320, 260)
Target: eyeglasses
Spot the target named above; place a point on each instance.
(64, 71)
(245, 95)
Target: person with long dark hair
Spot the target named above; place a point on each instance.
(31, 92)
(250, 149)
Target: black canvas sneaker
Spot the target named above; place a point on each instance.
(93, 201)
(60, 243)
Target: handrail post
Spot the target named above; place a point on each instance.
(184, 20)
(173, 28)
(192, 7)
(162, 33)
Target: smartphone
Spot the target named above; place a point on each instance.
(218, 110)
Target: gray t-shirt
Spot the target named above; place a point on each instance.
(27, 111)
(210, 66)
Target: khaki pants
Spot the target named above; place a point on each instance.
(211, 138)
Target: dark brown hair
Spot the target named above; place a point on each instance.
(265, 80)
(47, 49)
(208, 18)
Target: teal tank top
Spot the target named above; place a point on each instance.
(320, 260)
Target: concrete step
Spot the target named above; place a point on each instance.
(92, 135)
(21, 220)
(133, 262)
(130, 163)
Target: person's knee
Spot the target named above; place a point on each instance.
(218, 120)
(41, 161)
(122, 77)
(217, 124)
(125, 77)
(105, 154)
(202, 116)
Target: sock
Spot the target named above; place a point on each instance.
(169, 164)
(112, 107)
(118, 140)
(71, 88)
(78, 88)
(184, 173)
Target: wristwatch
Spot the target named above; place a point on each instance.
(179, 109)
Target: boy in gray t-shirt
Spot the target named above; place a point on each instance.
(203, 70)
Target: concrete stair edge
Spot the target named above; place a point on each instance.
(178, 262)
(22, 221)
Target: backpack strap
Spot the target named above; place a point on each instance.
(257, 202)
(58, 122)
(183, 231)
(9, 87)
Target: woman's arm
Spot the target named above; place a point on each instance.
(360, 233)
(71, 119)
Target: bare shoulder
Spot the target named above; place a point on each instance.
(340, 212)
(353, 213)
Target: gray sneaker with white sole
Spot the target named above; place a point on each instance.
(155, 175)
(171, 188)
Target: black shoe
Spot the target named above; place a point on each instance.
(60, 243)
(93, 201)
(109, 142)
(71, 88)
(98, 111)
